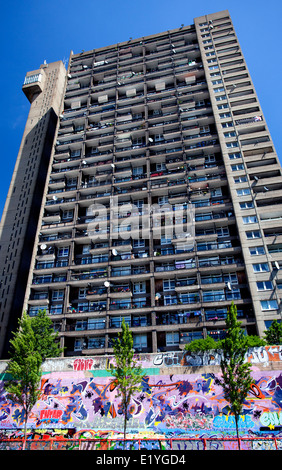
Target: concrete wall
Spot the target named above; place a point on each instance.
(180, 397)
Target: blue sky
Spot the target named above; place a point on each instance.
(36, 30)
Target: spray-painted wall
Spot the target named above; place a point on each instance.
(180, 396)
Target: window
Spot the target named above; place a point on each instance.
(139, 287)
(243, 192)
(260, 268)
(229, 134)
(222, 232)
(57, 295)
(233, 156)
(168, 284)
(82, 292)
(96, 342)
(32, 79)
(190, 298)
(34, 309)
(172, 339)
(162, 200)
(264, 285)
(138, 170)
(232, 144)
(231, 277)
(253, 234)
(67, 215)
(165, 240)
(213, 296)
(139, 342)
(269, 304)
(117, 321)
(64, 251)
(257, 250)
(221, 98)
(237, 167)
(224, 115)
(56, 309)
(138, 243)
(170, 300)
(211, 279)
(240, 179)
(246, 205)
(250, 219)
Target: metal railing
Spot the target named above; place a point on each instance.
(176, 444)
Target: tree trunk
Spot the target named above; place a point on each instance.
(124, 423)
(25, 429)
(237, 430)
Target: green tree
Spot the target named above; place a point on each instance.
(236, 373)
(274, 333)
(46, 339)
(24, 368)
(126, 371)
(199, 345)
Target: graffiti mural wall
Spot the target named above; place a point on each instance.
(78, 398)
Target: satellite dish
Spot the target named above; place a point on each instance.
(54, 198)
(106, 284)
(114, 251)
(43, 246)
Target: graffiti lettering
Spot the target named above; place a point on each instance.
(82, 364)
(271, 419)
(53, 415)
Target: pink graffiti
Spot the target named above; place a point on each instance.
(82, 364)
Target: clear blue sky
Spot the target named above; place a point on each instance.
(36, 30)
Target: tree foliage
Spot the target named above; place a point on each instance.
(31, 344)
(24, 368)
(46, 339)
(236, 373)
(274, 333)
(199, 345)
(126, 371)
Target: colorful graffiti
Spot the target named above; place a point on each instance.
(82, 403)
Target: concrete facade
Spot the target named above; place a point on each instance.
(44, 89)
(172, 121)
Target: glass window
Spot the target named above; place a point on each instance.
(57, 295)
(243, 192)
(240, 179)
(56, 309)
(139, 341)
(253, 234)
(257, 250)
(232, 144)
(168, 284)
(247, 205)
(250, 219)
(233, 156)
(139, 287)
(264, 285)
(269, 304)
(260, 267)
(237, 167)
(172, 339)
